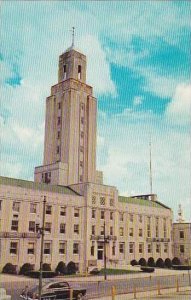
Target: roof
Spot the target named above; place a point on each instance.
(37, 186)
(138, 201)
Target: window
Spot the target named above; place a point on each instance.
(75, 248)
(30, 248)
(111, 230)
(62, 228)
(102, 200)
(131, 247)
(81, 149)
(64, 72)
(148, 230)
(82, 106)
(58, 134)
(59, 121)
(93, 213)
(47, 248)
(140, 219)
(81, 178)
(16, 206)
(102, 230)
(48, 209)
(57, 149)
(62, 248)
(93, 200)
(81, 163)
(121, 248)
(141, 248)
(131, 218)
(102, 214)
(82, 120)
(130, 231)
(76, 212)
(113, 249)
(13, 247)
(0, 204)
(63, 211)
(82, 134)
(48, 227)
(31, 226)
(121, 231)
(121, 216)
(14, 225)
(140, 232)
(92, 248)
(76, 228)
(79, 72)
(157, 248)
(59, 105)
(33, 207)
(181, 234)
(111, 215)
(165, 248)
(111, 201)
(149, 248)
(93, 229)
(181, 248)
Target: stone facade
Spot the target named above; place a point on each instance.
(182, 242)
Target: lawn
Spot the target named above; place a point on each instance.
(117, 271)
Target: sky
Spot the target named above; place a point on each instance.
(138, 56)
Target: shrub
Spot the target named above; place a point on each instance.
(25, 269)
(142, 261)
(176, 261)
(9, 269)
(134, 262)
(61, 268)
(151, 262)
(168, 263)
(160, 263)
(46, 267)
(181, 267)
(71, 268)
(147, 269)
(45, 274)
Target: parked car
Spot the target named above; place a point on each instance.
(95, 271)
(52, 291)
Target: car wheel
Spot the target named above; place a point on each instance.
(79, 296)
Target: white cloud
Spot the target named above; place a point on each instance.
(98, 68)
(179, 108)
(138, 100)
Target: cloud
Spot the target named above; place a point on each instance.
(179, 108)
(138, 100)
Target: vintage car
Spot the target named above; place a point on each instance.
(52, 291)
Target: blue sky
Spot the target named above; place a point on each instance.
(138, 56)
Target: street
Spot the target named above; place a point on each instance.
(100, 288)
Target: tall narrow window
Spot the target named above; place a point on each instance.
(64, 72)
(79, 72)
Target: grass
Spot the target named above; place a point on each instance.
(116, 272)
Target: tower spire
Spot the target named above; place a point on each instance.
(150, 166)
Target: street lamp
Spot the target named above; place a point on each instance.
(41, 230)
(106, 240)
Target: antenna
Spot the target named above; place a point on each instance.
(73, 35)
(151, 181)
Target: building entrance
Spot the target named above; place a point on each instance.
(100, 249)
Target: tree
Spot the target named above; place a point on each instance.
(176, 261)
(61, 268)
(168, 263)
(71, 268)
(151, 262)
(46, 267)
(25, 269)
(9, 269)
(160, 263)
(142, 261)
(134, 262)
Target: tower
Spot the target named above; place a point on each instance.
(70, 125)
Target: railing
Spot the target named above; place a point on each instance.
(19, 235)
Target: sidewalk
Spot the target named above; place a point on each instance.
(184, 293)
(158, 272)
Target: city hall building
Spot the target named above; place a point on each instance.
(78, 204)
